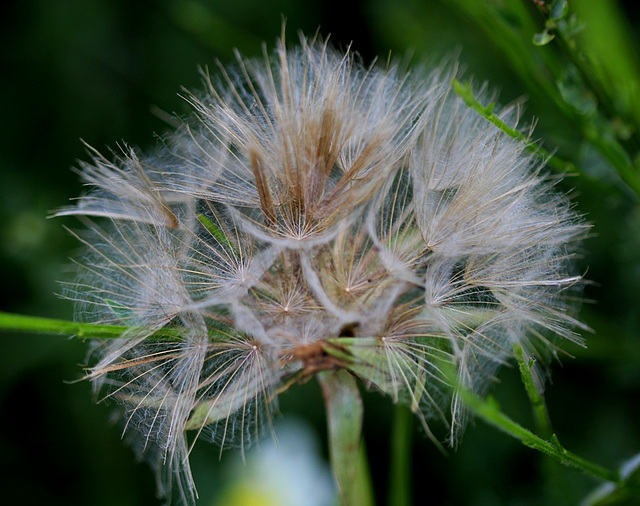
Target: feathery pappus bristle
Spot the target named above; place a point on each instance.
(316, 214)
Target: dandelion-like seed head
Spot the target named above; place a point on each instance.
(315, 215)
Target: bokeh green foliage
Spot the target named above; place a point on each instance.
(108, 71)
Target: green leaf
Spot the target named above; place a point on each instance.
(559, 10)
(216, 232)
(543, 38)
(225, 404)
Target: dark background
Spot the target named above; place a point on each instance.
(106, 71)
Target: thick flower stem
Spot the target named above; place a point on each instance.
(344, 422)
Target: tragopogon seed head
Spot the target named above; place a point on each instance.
(316, 214)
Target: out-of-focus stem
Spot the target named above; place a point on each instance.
(400, 466)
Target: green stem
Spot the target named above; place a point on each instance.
(39, 325)
(497, 20)
(344, 421)
(541, 414)
(490, 412)
(568, 46)
(363, 484)
(543, 70)
(35, 324)
(400, 474)
(465, 92)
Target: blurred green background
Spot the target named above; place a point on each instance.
(106, 71)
